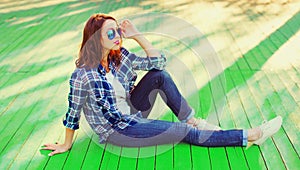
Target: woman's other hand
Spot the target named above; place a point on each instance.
(128, 29)
(56, 148)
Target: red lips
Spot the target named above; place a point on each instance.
(117, 42)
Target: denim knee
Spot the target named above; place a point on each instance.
(161, 74)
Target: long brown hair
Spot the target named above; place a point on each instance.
(90, 52)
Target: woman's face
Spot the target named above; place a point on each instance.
(110, 37)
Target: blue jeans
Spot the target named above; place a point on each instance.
(143, 96)
(148, 132)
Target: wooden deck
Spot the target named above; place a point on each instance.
(256, 42)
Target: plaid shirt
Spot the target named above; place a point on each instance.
(90, 91)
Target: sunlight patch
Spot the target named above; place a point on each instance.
(26, 19)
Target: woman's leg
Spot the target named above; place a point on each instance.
(159, 81)
(164, 132)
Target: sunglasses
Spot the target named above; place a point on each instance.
(111, 33)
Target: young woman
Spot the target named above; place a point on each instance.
(103, 87)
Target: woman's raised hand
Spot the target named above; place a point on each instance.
(128, 29)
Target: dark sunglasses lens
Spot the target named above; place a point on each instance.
(119, 31)
(111, 34)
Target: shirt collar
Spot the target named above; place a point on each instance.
(111, 66)
(101, 70)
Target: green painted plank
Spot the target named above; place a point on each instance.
(205, 101)
(34, 140)
(244, 105)
(218, 158)
(241, 110)
(128, 158)
(55, 132)
(292, 26)
(243, 65)
(164, 157)
(254, 158)
(50, 31)
(257, 52)
(285, 95)
(274, 160)
(236, 157)
(77, 153)
(56, 161)
(19, 77)
(285, 147)
(15, 102)
(289, 157)
(8, 99)
(51, 19)
(271, 155)
(10, 106)
(40, 158)
(16, 133)
(251, 60)
(111, 157)
(146, 158)
(215, 93)
(21, 39)
(94, 154)
(292, 88)
(218, 155)
(182, 156)
(228, 85)
(253, 155)
(34, 35)
(74, 155)
(59, 160)
(165, 153)
(270, 46)
(16, 119)
(200, 157)
(282, 96)
(219, 88)
(16, 126)
(6, 76)
(277, 40)
(8, 28)
(267, 49)
(231, 157)
(31, 70)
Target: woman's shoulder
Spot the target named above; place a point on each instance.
(81, 70)
(84, 73)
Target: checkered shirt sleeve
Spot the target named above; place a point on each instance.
(76, 99)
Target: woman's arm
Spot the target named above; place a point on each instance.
(147, 46)
(76, 98)
(130, 31)
(60, 148)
